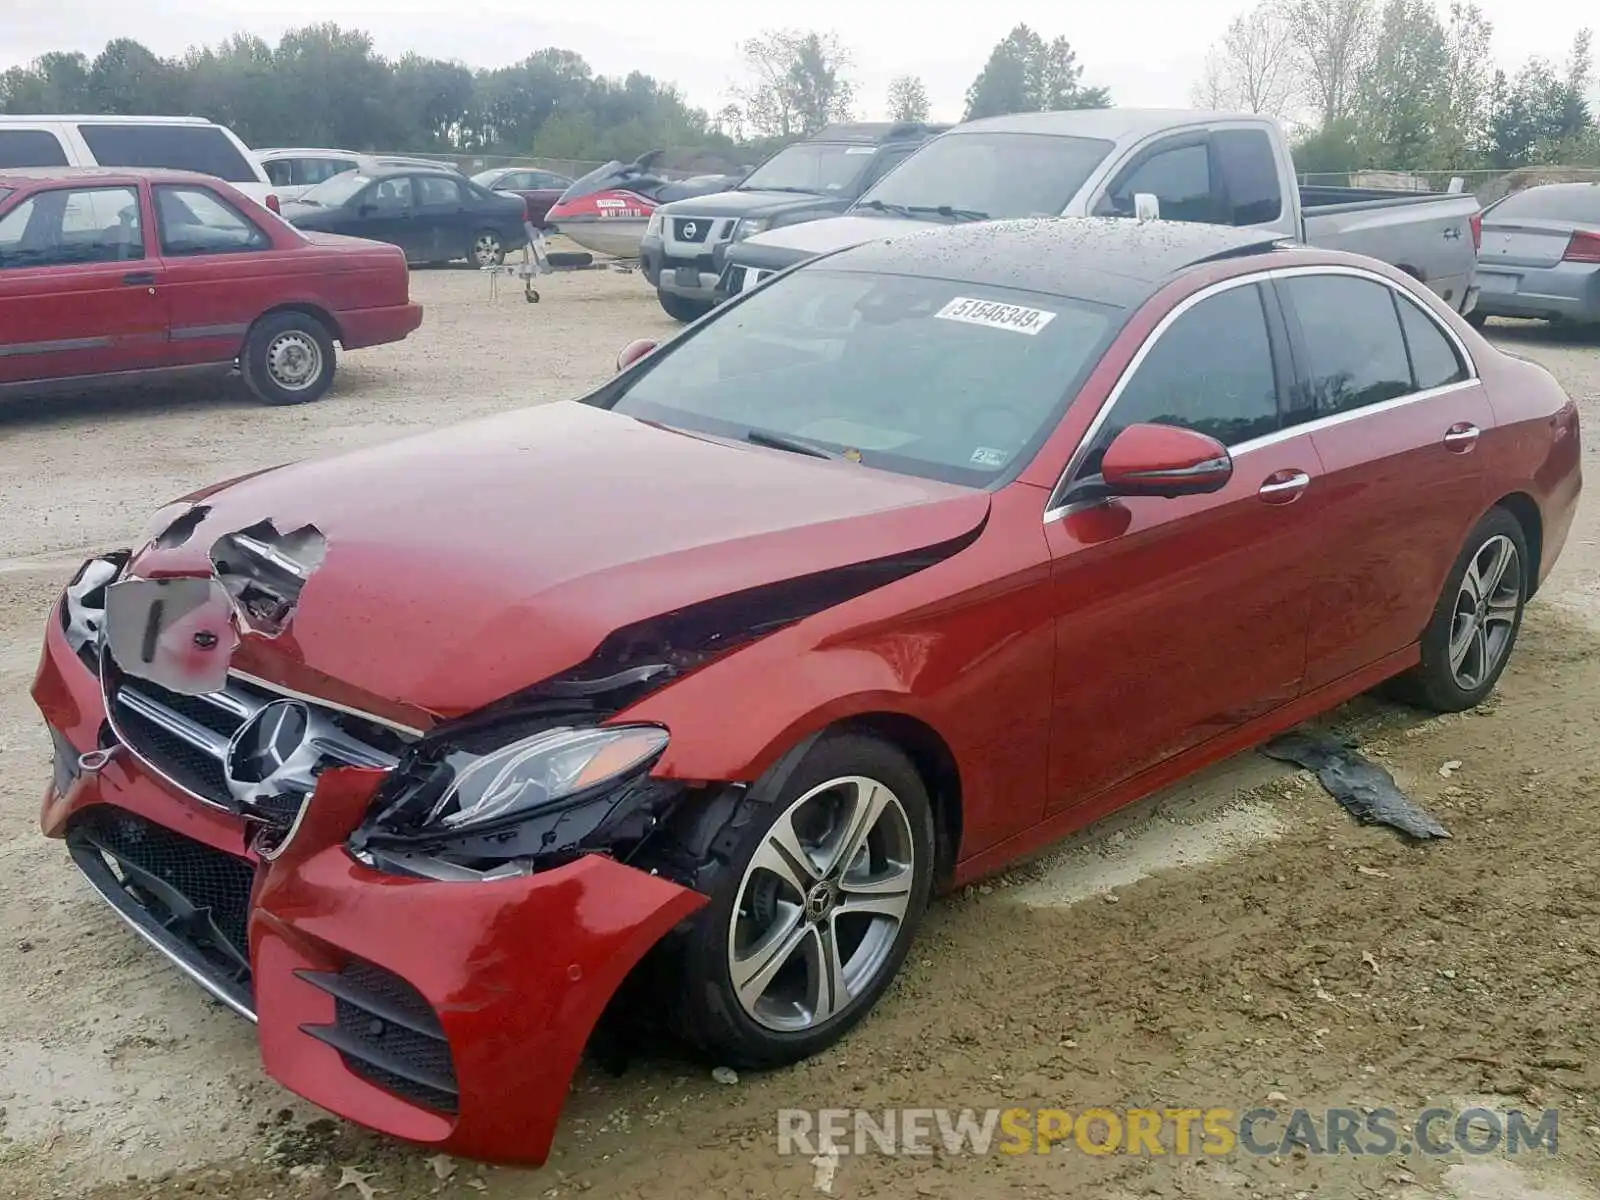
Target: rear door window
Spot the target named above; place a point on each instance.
(1249, 171)
(318, 170)
(437, 191)
(195, 220)
(280, 172)
(389, 195)
(31, 148)
(202, 148)
(68, 226)
(1435, 362)
(1355, 351)
(1178, 175)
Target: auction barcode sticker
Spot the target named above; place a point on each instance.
(996, 315)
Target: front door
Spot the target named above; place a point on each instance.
(1179, 619)
(1396, 417)
(386, 212)
(219, 272)
(80, 292)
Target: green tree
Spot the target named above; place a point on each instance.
(1404, 98)
(908, 99)
(1024, 74)
(1469, 86)
(1332, 41)
(1541, 115)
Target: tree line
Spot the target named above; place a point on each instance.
(1402, 84)
(1364, 83)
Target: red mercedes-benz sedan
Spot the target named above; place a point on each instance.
(902, 565)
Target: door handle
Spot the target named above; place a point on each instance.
(139, 278)
(1462, 437)
(1283, 487)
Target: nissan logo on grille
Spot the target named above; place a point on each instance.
(690, 229)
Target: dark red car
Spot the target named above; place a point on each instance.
(127, 275)
(904, 564)
(541, 189)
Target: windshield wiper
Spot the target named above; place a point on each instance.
(898, 210)
(778, 441)
(311, 203)
(955, 214)
(761, 187)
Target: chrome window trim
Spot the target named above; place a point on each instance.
(1054, 511)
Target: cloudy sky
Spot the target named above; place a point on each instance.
(1149, 57)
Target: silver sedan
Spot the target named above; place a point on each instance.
(1541, 255)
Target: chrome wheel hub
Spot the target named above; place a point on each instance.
(1485, 612)
(486, 250)
(294, 360)
(821, 905)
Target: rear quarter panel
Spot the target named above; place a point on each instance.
(1535, 449)
(214, 299)
(1431, 240)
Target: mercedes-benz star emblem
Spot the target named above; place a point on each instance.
(690, 229)
(272, 754)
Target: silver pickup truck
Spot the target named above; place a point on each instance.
(1219, 168)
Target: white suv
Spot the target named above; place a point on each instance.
(175, 143)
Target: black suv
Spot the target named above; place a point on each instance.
(686, 241)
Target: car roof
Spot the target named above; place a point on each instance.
(1111, 260)
(1110, 124)
(288, 151)
(98, 119)
(18, 176)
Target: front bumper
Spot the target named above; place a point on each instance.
(451, 1014)
(670, 269)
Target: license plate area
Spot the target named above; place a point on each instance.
(687, 277)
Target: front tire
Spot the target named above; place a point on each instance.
(288, 358)
(682, 308)
(814, 905)
(1474, 627)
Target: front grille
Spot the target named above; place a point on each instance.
(691, 229)
(188, 898)
(185, 738)
(386, 1032)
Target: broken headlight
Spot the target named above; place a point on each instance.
(467, 792)
(83, 605)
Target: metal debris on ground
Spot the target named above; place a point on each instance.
(725, 1075)
(1367, 791)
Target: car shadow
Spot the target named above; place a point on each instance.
(1535, 332)
(22, 409)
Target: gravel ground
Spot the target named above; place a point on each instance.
(1260, 944)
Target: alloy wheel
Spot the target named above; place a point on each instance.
(294, 360)
(821, 904)
(1487, 604)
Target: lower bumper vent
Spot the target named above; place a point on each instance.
(387, 1033)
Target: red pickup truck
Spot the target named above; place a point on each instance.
(126, 274)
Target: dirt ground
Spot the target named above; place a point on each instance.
(1236, 942)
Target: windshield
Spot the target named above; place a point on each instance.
(990, 175)
(929, 377)
(1576, 202)
(331, 193)
(819, 167)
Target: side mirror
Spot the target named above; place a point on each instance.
(1164, 460)
(633, 352)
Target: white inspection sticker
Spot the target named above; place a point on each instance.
(996, 315)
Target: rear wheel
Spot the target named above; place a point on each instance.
(1475, 623)
(288, 358)
(814, 905)
(681, 308)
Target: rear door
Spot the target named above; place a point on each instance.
(1396, 412)
(80, 290)
(216, 261)
(443, 217)
(1180, 619)
(386, 211)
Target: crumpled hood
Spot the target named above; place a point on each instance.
(466, 563)
(834, 233)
